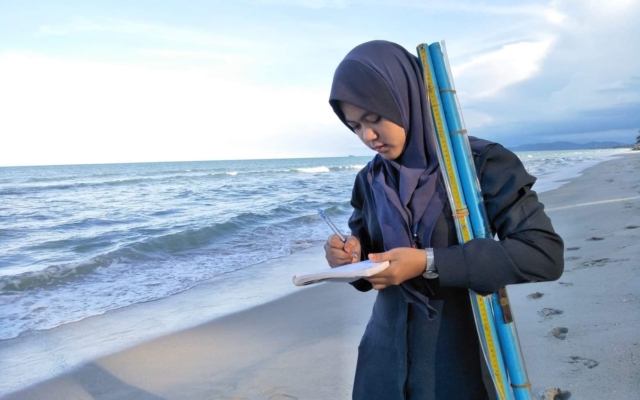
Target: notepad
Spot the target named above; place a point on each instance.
(345, 273)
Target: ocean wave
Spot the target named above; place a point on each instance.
(313, 170)
(357, 166)
(307, 170)
(37, 185)
(29, 189)
(54, 274)
(217, 174)
(160, 247)
(54, 178)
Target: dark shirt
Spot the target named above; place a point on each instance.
(433, 358)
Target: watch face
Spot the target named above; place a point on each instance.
(430, 274)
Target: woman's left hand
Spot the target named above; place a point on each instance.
(404, 263)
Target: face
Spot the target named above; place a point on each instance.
(376, 132)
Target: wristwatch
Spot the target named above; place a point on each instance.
(430, 271)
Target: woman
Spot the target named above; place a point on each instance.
(421, 341)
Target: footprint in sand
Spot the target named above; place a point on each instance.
(559, 332)
(632, 227)
(276, 393)
(535, 295)
(584, 361)
(572, 258)
(601, 262)
(547, 313)
(553, 394)
(595, 263)
(566, 283)
(594, 238)
(573, 248)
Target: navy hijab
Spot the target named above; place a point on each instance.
(384, 78)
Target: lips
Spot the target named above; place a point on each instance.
(380, 148)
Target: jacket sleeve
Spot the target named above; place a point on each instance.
(358, 229)
(528, 249)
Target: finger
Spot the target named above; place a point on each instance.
(340, 255)
(352, 243)
(328, 249)
(335, 241)
(336, 256)
(378, 280)
(379, 286)
(380, 257)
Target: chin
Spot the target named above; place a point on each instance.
(389, 156)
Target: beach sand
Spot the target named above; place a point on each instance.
(580, 334)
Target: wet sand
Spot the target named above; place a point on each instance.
(580, 334)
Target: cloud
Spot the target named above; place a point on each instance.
(531, 9)
(229, 59)
(577, 80)
(159, 32)
(487, 74)
(65, 111)
(241, 88)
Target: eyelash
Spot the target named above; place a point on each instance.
(355, 128)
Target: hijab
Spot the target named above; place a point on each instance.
(384, 78)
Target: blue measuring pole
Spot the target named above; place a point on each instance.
(481, 305)
(507, 333)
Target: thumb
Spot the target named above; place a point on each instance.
(380, 257)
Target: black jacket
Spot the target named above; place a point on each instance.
(403, 355)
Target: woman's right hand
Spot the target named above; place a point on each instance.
(338, 253)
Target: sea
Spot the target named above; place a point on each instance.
(80, 241)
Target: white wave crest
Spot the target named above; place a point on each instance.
(313, 170)
(232, 173)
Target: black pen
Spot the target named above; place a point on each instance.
(336, 231)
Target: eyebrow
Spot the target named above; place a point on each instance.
(365, 115)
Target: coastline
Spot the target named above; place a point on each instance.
(304, 345)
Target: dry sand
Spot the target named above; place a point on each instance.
(580, 334)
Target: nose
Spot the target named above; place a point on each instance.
(368, 134)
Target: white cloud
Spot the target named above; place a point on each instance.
(58, 111)
(554, 16)
(533, 9)
(233, 60)
(160, 32)
(474, 119)
(486, 74)
(572, 72)
(537, 67)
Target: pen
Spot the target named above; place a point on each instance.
(336, 231)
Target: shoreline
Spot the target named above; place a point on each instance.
(346, 342)
(40, 355)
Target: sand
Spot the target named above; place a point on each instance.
(580, 334)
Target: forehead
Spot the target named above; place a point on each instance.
(353, 113)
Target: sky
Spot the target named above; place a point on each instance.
(140, 81)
